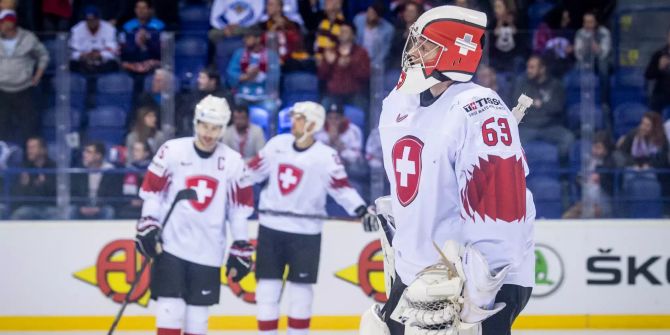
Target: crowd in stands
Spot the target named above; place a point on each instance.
(264, 55)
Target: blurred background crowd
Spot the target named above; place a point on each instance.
(89, 89)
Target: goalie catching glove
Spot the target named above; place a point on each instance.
(148, 238)
(453, 296)
(239, 260)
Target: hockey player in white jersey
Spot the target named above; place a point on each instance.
(300, 172)
(453, 157)
(188, 253)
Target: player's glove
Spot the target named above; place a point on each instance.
(368, 218)
(239, 260)
(148, 239)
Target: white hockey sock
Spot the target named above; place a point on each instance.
(196, 320)
(300, 308)
(268, 292)
(170, 315)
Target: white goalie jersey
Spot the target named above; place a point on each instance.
(196, 230)
(457, 172)
(298, 182)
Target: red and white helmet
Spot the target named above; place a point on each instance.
(445, 43)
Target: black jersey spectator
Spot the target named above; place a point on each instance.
(41, 186)
(658, 70)
(95, 193)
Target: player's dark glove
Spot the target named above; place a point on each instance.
(239, 260)
(148, 239)
(368, 218)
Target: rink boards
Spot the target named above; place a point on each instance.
(590, 275)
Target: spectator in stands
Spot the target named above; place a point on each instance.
(40, 185)
(209, 82)
(347, 139)
(544, 120)
(598, 187)
(162, 82)
(230, 18)
(140, 155)
(299, 60)
(658, 70)
(374, 33)
(56, 15)
(323, 25)
(242, 135)
(93, 44)
(645, 146)
(114, 12)
(487, 77)
(291, 10)
(343, 136)
(593, 46)
(94, 193)
(8, 4)
(24, 60)
(248, 70)
(280, 33)
(345, 69)
(553, 39)
(409, 13)
(140, 42)
(507, 48)
(145, 130)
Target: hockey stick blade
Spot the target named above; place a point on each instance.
(185, 194)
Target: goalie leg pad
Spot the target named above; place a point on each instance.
(452, 296)
(372, 323)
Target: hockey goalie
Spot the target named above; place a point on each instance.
(458, 225)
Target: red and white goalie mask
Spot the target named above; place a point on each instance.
(445, 43)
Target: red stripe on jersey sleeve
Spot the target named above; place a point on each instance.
(255, 163)
(153, 183)
(243, 196)
(339, 183)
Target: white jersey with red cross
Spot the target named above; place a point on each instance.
(196, 231)
(457, 171)
(298, 182)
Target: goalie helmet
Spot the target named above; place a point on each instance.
(212, 110)
(445, 43)
(313, 113)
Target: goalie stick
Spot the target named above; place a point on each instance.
(185, 194)
(519, 111)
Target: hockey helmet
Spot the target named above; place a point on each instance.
(212, 110)
(445, 43)
(313, 113)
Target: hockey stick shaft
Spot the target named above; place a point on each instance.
(126, 300)
(306, 216)
(181, 195)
